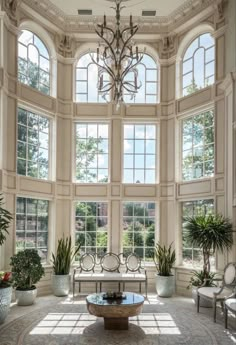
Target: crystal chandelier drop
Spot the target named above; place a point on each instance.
(117, 58)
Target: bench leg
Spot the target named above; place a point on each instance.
(140, 288)
(198, 302)
(123, 286)
(226, 317)
(101, 287)
(119, 286)
(73, 289)
(79, 287)
(146, 287)
(96, 287)
(214, 310)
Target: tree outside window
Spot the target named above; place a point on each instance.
(33, 62)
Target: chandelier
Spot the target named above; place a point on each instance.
(117, 58)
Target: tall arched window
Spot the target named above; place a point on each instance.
(148, 76)
(198, 68)
(33, 62)
(86, 81)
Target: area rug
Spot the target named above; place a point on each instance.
(162, 322)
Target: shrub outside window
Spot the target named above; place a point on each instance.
(198, 68)
(32, 225)
(32, 144)
(92, 153)
(33, 62)
(198, 146)
(138, 233)
(193, 256)
(139, 153)
(91, 226)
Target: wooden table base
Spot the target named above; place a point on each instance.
(116, 323)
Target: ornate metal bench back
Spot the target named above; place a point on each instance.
(87, 262)
(133, 263)
(229, 278)
(110, 262)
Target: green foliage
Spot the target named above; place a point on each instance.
(27, 269)
(199, 277)
(164, 259)
(65, 254)
(86, 151)
(209, 233)
(5, 220)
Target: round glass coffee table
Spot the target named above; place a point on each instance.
(116, 312)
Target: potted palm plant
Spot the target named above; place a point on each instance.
(210, 233)
(164, 259)
(5, 283)
(61, 266)
(27, 270)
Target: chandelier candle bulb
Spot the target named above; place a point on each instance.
(105, 21)
(97, 54)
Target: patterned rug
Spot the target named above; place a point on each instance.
(162, 322)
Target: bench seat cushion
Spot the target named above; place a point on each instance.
(107, 276)
(209, 292)
(231, 304)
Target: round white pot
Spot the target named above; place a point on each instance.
(5, 301)
(165, 286)
(25, 297)
(61, 284)
(203, 302)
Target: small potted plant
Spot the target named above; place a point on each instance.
(164, 259)
(5, 283)
(210, 233)
(5, 296)
(61, 266)
(27, 270)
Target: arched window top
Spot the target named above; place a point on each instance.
(149, 79)
(198, 64)
(33, 62)
(87, 80)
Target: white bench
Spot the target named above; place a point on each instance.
(111, 268)
(229, 304)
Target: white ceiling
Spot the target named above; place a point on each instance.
(134, 7)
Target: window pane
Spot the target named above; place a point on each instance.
(139, 153)
(32, 229)
(198, 64)
(92, 152)
(33, 62)
(138, 234)
(198, 146)
(91, 217)
(32, 145)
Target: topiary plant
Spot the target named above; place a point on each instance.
(65, 254)
(27, 269)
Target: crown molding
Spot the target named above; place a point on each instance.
(75, 23)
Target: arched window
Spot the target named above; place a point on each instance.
(148, 76)
(33, 62)
(198, 68)
(87, 80)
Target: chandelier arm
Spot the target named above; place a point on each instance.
(108, 29)
(108, 70)
(108, 89)
(107, 42)
(127, 70)
(125, 42)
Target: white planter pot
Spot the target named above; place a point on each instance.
(61, 284)
(165, 286)
(203, 302)
(5, 301)
(25, 297)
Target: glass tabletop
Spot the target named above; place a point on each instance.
(130, 299)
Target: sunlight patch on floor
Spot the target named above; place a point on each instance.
(75, 323)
